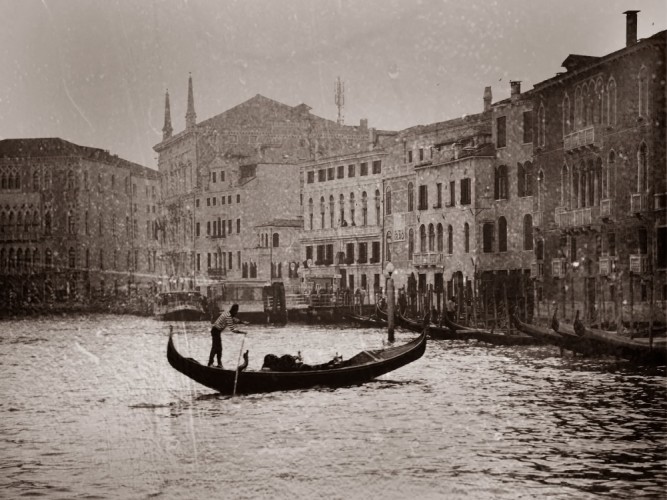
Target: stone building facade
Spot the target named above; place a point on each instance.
(431, 194)
(341, 242)
(239, 167)
(76, 223)
(600, 165)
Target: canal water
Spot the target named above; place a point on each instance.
(90, 408)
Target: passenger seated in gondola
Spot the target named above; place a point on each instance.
(290, 363)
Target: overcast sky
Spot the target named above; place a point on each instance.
(95, 72)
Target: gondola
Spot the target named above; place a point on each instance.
(434, 331)
(360, 368)
(595, 342)
(615, 345)
(372, 321)
(490, 337)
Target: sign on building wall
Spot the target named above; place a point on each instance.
(398, 233)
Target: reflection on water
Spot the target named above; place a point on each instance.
(91, 408)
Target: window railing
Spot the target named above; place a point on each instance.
(638, 263)
(558, 267)
(579, 139)
(428, 258)
(605, 207)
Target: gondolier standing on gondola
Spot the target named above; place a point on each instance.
(224, 321)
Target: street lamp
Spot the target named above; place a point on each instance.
(389, 269)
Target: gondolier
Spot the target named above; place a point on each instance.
(224, 321)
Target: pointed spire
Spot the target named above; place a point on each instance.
(167, 129)
(190, 115)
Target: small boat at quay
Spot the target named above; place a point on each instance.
(373, 321)
(590, 342)
(491, 337)
(179, 306)
(359, 369)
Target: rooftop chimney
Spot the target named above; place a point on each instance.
(363, 123)
(515, 90)
(630, 27)
(487, 98)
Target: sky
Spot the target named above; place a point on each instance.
(94, 72)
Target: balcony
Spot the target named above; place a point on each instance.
(428, 259)
(216, 273)
(558, 267)
(580, 139)
(537, 219)
(606, 265)
(638, 263)
(537, 270)
(578, 218)
(605, 208)
(638, 203)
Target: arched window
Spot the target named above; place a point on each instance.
(422, 238)
(322, 210)
(599, 176)
(3, 223)
(70, 180)
(10, 223)
(377, 207)
(341, 207)
(72, 258)
(539, 249)
(527, 232)
(332, 211)
(388, 240)
(642, 168)
(19, 259)
(310, 212)
(502, 234)
(598, 105)
(607, 181)
(388, 202)
(4, 183)
(70, 223)
(431, 238)
(3, 260)
(35, 258)
(276, 240)
(590, 103)
(528, 178)
(364, 209)
(12, 259)
(87, 263)
(450, 239)
(47, 223)
(565, 187)
(411, 243)
(643, 92)
(590, 189)
(520, 180)
(611, 102)
(352, 211)
(575, 189)
(19, 222)
(411, 197)
(466, 237)
(501, 191)
(35, 180)
(441, 242)
(566, 115)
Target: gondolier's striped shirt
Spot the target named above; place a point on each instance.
(226, 320)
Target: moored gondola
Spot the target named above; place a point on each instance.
(361, 368)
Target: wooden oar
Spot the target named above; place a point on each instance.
(236, 376)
